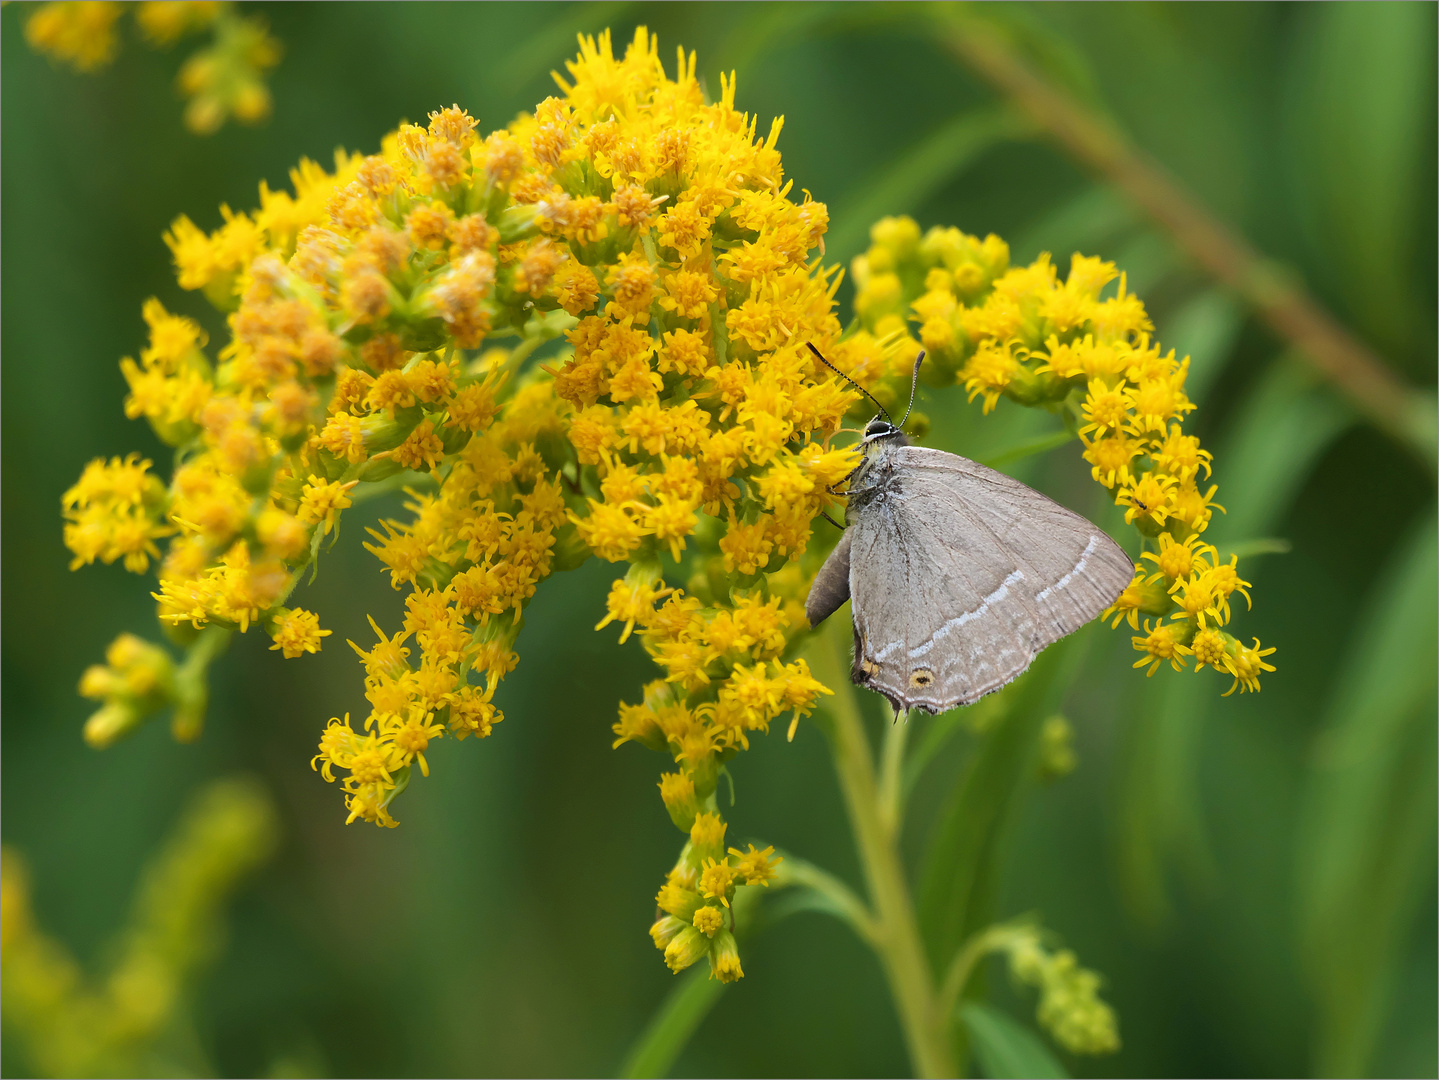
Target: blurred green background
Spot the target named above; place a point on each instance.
(1255, 876)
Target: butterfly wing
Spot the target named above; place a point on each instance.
(965, 575)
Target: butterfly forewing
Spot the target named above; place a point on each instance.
(963, 574)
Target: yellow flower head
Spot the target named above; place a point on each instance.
(756, 867)
(1161, 642)
(1247, 664)
(297, 631)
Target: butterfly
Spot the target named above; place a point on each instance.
(958, 575)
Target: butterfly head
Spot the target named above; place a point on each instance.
(880, 428)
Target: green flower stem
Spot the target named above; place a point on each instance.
(896, 938)
(679, 1017)
(979, 946)
(192, 682)
(841, 899)
(891, 775)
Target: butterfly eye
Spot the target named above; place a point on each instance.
(877, 427)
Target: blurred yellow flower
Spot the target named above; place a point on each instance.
(73, 1024)
(222, 80)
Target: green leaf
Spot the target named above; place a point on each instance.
(1367, 827)
(1157, 820)
(547, 48)
(1093, 222)
(902, 185)
(655, 1051)
(1356, 134)
(978, 718)
(958, 876)
(1029, 448)
(1204, 329)
(763, 27)
(1006, 1048)
(1281, 431)
(1249, 549)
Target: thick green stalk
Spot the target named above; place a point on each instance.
(876, 835)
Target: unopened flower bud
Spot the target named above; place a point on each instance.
(686, 947)
(678, 792)
(724, 958)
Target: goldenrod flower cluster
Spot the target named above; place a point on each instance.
(382, 320)
(1082, 351)
(73, 1025)
(227, 78)
(1069, 1007)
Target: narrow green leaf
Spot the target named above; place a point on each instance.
(1285, 425)
(904, 183)
(762, 28)
(1007, 1049)
(1157, 820)
(547, 48)
(1356, 137)
(655, 1051)
(1096, 220)
(1029, 448)
(1367, 827)
(1248, 549)
(978, 718)
(958, 875)
(1204, 329)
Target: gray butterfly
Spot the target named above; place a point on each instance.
(959, 575)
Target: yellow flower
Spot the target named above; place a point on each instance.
(756, 867)
(1210, 647)
(1247, 663)
(1176, 560)
(79, 32)
(1160, 643)
(708, 919)
(707, 837)
(297, 631)
(686, 947)
(630, 603)
(724, 958)
(717, 881)
(1111, 458)
(1106, 408)
(114, 512)
(322, 501)
(1150, 499)
(1224, 580)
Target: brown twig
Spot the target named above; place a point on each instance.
(1281, 300)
